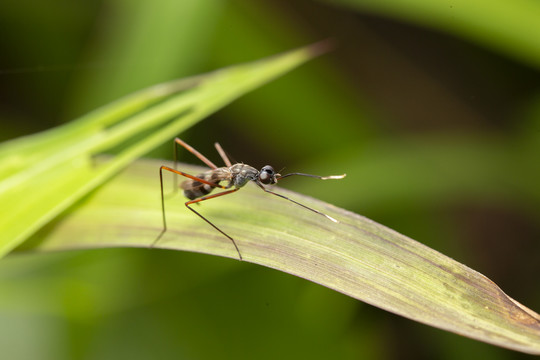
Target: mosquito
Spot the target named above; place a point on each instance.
(231, 178)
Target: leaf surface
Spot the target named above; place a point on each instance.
(43, 174)
(356, 256)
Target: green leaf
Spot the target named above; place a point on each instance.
(356, 256)
(44, 174)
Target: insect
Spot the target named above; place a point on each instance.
(231, 178)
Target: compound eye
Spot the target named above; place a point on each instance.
(267, 175)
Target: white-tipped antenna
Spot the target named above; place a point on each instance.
(331, 177)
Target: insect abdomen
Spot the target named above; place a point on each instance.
(196, 189)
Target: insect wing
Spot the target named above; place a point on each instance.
(194, 189)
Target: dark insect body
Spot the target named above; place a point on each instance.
(237, 175)
(231, 178)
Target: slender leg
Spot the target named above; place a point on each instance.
(192, 202)
(208, 221)
(178, 141)
(194, 152)
(163, 198)
(223, 155)
(297, 203)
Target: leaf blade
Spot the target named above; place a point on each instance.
(357, 257)
(70, 161)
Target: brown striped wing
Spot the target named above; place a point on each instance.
(194, 189)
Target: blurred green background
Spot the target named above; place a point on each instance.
(433, 111)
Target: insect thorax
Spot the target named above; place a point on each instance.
(237, 175)
(242, 173)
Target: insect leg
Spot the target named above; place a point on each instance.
(194, 152)
(208, 221)
(223, 155)
(178, 141)
(176, 172)
(297, 203)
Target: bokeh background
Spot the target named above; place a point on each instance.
(437, 129)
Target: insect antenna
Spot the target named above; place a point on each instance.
(296, 202)
(331, 177)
